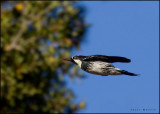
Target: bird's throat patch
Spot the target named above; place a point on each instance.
(78, 62)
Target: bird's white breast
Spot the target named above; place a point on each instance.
(100, 68)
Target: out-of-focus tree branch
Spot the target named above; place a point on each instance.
(32, 17)
(15, 39)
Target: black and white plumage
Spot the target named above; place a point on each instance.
(100, 64)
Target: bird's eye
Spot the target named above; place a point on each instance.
(74, 57)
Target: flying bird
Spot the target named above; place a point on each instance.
(100, 64)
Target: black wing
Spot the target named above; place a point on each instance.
(110, 59)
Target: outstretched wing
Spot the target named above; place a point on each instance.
(110, 59)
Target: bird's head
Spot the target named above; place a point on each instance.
(76, 59)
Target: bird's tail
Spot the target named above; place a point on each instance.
(128, 73)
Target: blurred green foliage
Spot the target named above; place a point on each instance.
(35, 36)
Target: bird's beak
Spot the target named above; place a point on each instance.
(70, 59)
(67, 59)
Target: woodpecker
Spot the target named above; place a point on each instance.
(100, 64)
